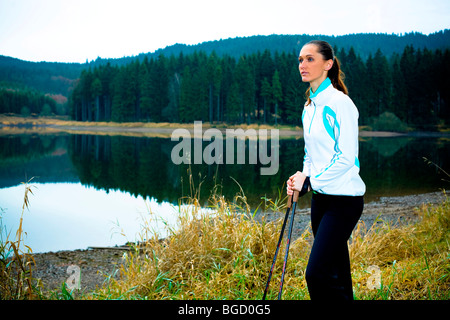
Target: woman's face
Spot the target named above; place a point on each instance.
(313, 68)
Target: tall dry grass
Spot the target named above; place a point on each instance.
(224, 253)
(413, 259)
(16, 260)
(220, 253)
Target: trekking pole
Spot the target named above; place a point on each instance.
(292, 201)
(289, 204)
(291, 223)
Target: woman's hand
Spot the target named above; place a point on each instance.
(295, 182)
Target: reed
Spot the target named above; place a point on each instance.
(220, 252)
(224, 253)
(413, 259)
(16, 260)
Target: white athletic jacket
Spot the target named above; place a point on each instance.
(330, 128)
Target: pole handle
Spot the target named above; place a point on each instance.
(289, 202)
(297, 194)
(292, 198)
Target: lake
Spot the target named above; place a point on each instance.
(98, 190)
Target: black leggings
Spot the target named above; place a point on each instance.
(328, 272)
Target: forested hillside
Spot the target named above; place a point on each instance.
(364, 44)
(248, 80)
(262, 88)
(47, 77)
(32, 102)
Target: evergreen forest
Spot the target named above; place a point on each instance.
(396, 81)
(409, 88)
(28, 102)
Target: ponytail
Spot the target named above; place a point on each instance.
(335, 74)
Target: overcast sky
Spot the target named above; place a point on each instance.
(76, 30)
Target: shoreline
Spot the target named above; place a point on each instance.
(98, 264)
(17, 125)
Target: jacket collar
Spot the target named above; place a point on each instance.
(322, 87)
(322, 93)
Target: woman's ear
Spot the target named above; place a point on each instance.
(328, 65)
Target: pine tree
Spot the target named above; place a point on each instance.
(245, 80)
(356, 82)
(159, 86)
(277, 94)
(145, 89)
(266, 94)
(96, 93)
(124, 99)
(399, 92)
(382, 83)
(408, 65)
(186, 100)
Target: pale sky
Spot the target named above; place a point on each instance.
(80, 30)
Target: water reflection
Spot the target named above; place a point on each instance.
(67, 216)
(86, 182)
(143, 166)
(396, 166)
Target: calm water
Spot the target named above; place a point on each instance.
(98, 190)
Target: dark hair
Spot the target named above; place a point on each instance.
(335, 73)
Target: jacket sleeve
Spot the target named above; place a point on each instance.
(344, 131)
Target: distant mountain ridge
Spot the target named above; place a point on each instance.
(57, 78)
(364, 43)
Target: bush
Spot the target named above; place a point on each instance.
(46, 110)
(388, 121)
(25, 111)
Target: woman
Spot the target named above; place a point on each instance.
(330, 127)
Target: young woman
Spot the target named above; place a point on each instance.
(330, 127)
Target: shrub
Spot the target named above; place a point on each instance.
(388, 121)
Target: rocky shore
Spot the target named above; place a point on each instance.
(96, 265)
